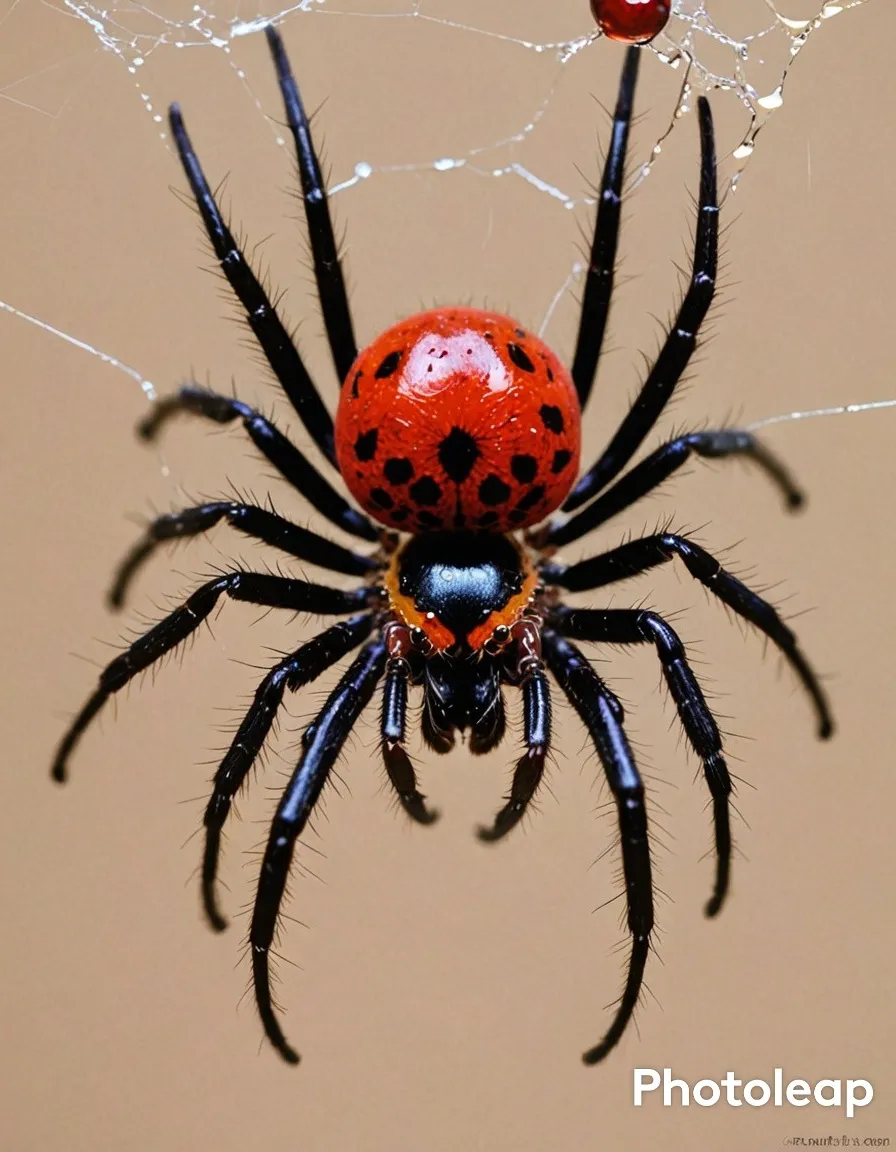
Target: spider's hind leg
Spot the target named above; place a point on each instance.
(681, 341)
(260, 311)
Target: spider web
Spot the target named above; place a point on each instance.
(741, 50)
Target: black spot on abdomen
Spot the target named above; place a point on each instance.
(493, 490)
(561, 459)
(388, 366)
(552, 418)
(365, 445)
(531, 498)
(519, 358)
(524, 468)
(458, 452)
(381, 498)
(425, 491)
(398, 470)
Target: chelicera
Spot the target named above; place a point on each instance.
(458, 434)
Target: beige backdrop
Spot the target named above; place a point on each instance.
(446, 990)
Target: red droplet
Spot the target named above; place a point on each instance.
(631, 21)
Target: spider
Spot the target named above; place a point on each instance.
(458, 432)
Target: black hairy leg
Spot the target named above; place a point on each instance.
(633, 626)
(321, 745)
(292, 673)
(602, 714)
(261, 315)
(679, 345)
(528, 672)
(253, 587)
(530, 767)
(598, 289)
(331, 292)
(273, 445)
(259, 523)
(650, 472)
(638, 556)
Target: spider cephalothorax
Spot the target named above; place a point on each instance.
(460, 427)
(464, 621)
(458, 588)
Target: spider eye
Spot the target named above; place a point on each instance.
(498, 640)
(421, 641)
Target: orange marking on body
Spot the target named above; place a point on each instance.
(434, 630)
(509, 614)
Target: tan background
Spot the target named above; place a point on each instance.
(446, 990)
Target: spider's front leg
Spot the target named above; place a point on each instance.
(321, 744)
(602, 715)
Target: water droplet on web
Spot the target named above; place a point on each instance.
(773, 100)
(248, 27)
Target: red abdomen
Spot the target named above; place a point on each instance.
(458, 418)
